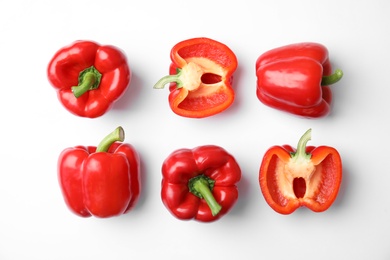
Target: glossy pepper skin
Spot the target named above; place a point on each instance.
(200, 183)
(201, 75)
(295, 78)
(89, 77)
(309, 176)
(102, 181)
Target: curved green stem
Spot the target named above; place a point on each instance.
(201, 187)
(168, 79)
(88, 79)
(333, 78)
(301, 147)
(117, 135)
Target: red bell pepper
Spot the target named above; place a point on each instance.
(200, 183)
(295, 79)
(102, 181)
(309, 176)
(201, 76)
(89, 77)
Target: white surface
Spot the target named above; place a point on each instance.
(35, 223)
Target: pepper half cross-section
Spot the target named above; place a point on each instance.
(201, 75)
(308, 176)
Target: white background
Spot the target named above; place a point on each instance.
(35, 128)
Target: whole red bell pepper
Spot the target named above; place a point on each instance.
(201, 76)
(308, 176)
(89, 77)
(102, 181)
(200, 183)
(296, 78)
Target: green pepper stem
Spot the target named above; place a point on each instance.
(168, 79)
(301, 147)
(201, 187)
(117, 135)
(88, 79)
(333, 78)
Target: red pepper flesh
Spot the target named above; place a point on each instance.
(201, 75)
(295, 79)
(309, 176)
(102, 181)
(200, 183)
(89, 77)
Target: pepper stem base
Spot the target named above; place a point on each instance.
(201, 186)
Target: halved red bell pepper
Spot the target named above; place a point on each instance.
(200, 183)
(309, 176)
(201, 76)
(89, 77)
(102, 181)
(295, 79)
